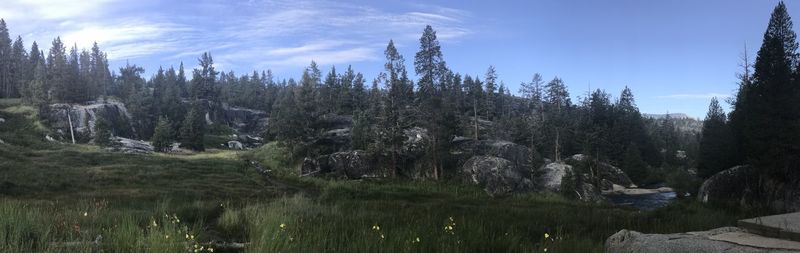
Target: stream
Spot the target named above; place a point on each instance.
(645, 202)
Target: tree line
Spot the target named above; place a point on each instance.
(169, 107)
(763, 127)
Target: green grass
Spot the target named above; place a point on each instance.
(62, 197)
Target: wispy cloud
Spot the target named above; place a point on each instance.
(252, 34)
(50, 9)
(695, 96)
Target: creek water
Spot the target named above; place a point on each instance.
(646, 202)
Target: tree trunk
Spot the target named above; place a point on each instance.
(475, 118)
(556, 155)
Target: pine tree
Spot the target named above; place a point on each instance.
(163, 136)
(633, 165)
(766, 114)
(37, 88)
(20, 68)
(558, 104)
(284, 123)
(193, 128)
(431, 68)
(6, 71)
(395, 114)
(489, 105)
(102, 131)
(716, 145)
(58, 70)
(204, 80)
(100, 75)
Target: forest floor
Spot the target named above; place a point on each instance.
(80, 198)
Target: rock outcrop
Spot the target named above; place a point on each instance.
(745, 186)
(130, 146)
(518, 155)
(335, 133)
(727, 185)
(84, 117)
(497, 176)
(245, 120)
(604, 171)
(550, 175)
(354, 164)
(235, 145)
(728, 239)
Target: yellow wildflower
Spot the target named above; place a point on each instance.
(546, 235)
(210, 249)
(85, 214)
(545, 249)
(417, 239)
(283, 226)
(382, 236)
(376, 227)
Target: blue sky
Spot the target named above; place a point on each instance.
(675, 55)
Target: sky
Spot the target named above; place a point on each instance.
(674, 55)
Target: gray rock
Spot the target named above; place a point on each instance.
(309, 167)
(244, 120)
(727, 185)
(334, 121)
(175, 147)
(336, 137)
(416, 142)
(728, 239)
(2, 120)
(50, 138)
(589, 193)
(235, 145)
(84, 117)
(604, 171)
(353, 164)
(463, 149)
(497, 176)
(550, 175)
(131, 146)
(248, 141)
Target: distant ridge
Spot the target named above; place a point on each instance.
(671, 115)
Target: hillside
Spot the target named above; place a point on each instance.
(70, 196)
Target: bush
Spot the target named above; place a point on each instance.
(275, 156)
(683, 182)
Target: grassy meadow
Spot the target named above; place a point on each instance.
(80, 198)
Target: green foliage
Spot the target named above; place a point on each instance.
(717, 143)
(633, 165)
(569, 185)
(683, 182)
(102, 131)
(766, 112)
(275, 156)
(193, 129)
(163, 136)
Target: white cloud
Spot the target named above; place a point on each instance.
(261, 34)
(326, 57)
(305, 49)
(695, 96)
(128, 36)
(51, 9)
